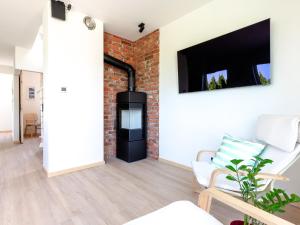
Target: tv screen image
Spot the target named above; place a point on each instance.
(240, 58)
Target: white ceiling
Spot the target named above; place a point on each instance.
(19, 24)
(121, 17)
(21, 19)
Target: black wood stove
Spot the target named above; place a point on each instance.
(131, 117)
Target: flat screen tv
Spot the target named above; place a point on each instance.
(237, 59)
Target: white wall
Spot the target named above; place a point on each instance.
(6, 60)
(6, 106)
(6, 69)
(193, 121)
(30, 59)
(6, 55)
(31, 79)
(73, 128)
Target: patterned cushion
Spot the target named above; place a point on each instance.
(234, 148)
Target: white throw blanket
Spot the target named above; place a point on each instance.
(279, 131)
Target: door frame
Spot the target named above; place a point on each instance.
(21, 116)
(21, 135)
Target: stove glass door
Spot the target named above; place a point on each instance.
(131, 118)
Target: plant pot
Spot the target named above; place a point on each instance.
(237, 222)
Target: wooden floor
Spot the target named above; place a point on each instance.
(6, 140)
(111, 194)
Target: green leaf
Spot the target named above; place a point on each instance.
(283, 193)
(270, 196)
(230, 177)
(236, 161)
(231, 168)
(246, 184)
(243, 168)
(295, 198)
(267, 161)
(265, 200)
(244, 178)
(277, 196)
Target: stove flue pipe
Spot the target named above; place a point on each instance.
(123, 66)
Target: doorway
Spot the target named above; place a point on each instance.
(31, 104)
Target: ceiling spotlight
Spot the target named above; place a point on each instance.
(89, 22)
(69, 7)
(141, 27)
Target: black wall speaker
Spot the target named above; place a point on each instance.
(58, 9)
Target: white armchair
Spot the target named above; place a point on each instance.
(280, 133)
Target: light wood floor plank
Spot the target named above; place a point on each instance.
(111, 194)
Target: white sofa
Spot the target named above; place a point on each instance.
(186, 213)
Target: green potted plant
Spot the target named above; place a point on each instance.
(246, 176)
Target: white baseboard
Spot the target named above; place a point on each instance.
(74, 169)
(172, 163)
(297, 204)
(5, 131)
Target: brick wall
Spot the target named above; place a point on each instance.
(146, 53)
(115, 80)
(143, 55)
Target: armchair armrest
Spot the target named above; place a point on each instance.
(218, 172)
(203, 153)
(265, 217)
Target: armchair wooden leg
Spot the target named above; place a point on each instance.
(196, 187)
(204, 201)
